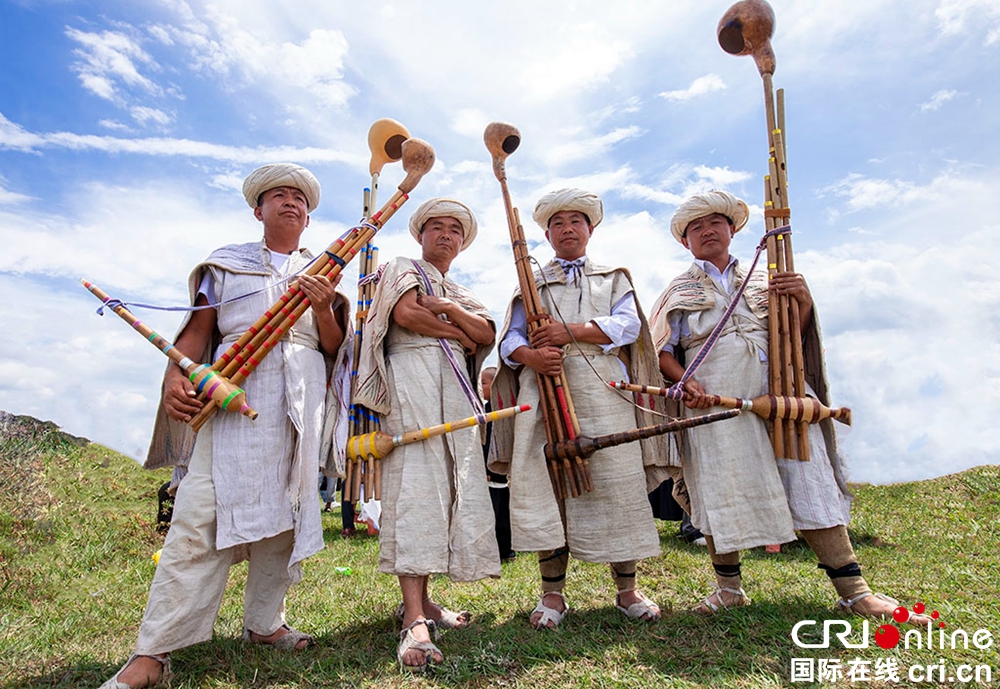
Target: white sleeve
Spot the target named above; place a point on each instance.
(207, 287)
(622, 326)
(516, 336)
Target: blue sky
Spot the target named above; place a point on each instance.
(127, 128)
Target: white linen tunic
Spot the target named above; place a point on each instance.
(614, 522)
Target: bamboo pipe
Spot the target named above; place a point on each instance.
(783, 316)
(379, 444)
(584, 446)
(803, 409)
(780, 137)
(205, 380)
(418, 159)
(371, 448)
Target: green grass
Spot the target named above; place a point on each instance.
(77, 529)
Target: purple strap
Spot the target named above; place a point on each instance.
(463, 378)
(676, 391)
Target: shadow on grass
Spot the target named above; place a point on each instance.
(710, 651)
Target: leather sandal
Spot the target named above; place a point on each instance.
(707, 607)
(847, 605)
(286, 642)
(408, 642)
(165, 674)
(449, 618)
(645, 609)
(549, 614)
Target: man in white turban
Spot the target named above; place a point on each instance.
(740, 495)
(250, 487)
(426, 338)
(596, 321)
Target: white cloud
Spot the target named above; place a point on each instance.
(107, 58)
(699, 87)
(143, 114)
(317, 66)
(14, 136)
(866, 192)
(898, 376)
(582, 148)
(938, 99)
(721, 177)
(470, 122)
(955, 15)
(218, 44)
(12, 198)
(583, 58)
(113, 125)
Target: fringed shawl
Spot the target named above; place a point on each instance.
(398, 278)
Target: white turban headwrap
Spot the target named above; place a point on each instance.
(700, 205)
(445, 208)
(568, 200)
(281, 175)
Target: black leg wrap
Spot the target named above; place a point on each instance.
(851, 569)
(727, 570)
(553, 580)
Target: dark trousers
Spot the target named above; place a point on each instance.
(500, 497)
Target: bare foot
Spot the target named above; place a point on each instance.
(270, 639)
(879, 606)
(550, 600)
(722, 598)
(626, 599)
(143, 671)
(446, 619)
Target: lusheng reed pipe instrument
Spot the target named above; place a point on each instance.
(248, 351)
(556, 404)
(379, 444)
(805, 409)
(746, 29)
(362, 473)
(205, 380)
(566, 448)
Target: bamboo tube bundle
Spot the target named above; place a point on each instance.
(561, 425)
(206, 381)
(246, 353)
(800, 409)
(746, 29)
(362, 472)
(375, 446)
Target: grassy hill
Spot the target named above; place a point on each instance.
(77, 529)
